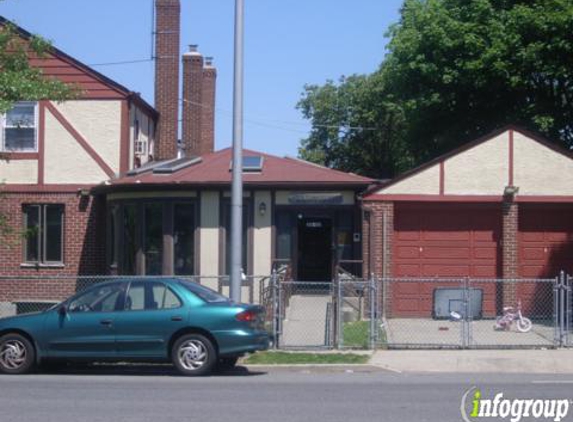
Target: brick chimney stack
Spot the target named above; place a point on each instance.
(167, 33)
(208, 118)
(192, 101)
(199, 77)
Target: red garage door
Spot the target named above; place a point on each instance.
(545, 240)
(443, 240)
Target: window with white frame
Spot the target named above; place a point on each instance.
(20, 128)
(139, 141)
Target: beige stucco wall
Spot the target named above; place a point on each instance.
(209, 236)
(65, 160)
(538, 170)
(99, 122)
(19, 171)
(481, 170)
(426, 182)
(262, 238)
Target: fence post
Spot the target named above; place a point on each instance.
(565, 308)
(372, 298)
(278, 311)
(338, 334)
(557, 309)
(465, 329)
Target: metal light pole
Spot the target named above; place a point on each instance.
(237, 191)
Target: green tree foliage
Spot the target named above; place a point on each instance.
(455, 70)
(18, 80)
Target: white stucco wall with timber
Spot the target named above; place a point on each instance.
(485, 169)
(18, 171)
(65, 160)
(99, 122)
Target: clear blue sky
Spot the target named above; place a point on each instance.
(287, 45)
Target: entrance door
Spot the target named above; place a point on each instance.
(314, 249)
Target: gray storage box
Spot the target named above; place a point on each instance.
(447, 299)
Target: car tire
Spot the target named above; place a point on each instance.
(17, 354)
(193, 355)
(226, 364)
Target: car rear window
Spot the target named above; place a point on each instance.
(203, 292)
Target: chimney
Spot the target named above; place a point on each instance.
(167, 23)
(192, 101)
(208, 118)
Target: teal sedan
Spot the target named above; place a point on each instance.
(175, 320)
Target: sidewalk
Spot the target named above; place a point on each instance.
(476, 361)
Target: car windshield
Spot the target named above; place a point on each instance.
(203, 292)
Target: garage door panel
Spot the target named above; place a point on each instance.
(485, 253)
(545, 240)
(456, 241)
(445, 253)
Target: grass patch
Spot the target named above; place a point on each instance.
(278, 358)
(356, 334)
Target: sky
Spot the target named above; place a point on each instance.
(288, 44)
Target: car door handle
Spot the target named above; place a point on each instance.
(107, 322)
(176, 318)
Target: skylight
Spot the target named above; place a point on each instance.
(251, 163)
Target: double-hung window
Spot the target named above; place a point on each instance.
(20, 128)
(44, 228)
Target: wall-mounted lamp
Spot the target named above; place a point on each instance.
(262, 208)
(510, 191)
(83, 192)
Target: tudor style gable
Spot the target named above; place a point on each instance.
(484, 168)
(104, 132)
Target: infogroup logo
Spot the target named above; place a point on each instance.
(475, 407)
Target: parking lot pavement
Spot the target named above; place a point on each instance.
(156, 393)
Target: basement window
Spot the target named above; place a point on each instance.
(19, 128)
(44, 230)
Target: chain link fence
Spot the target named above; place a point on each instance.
(367, 313)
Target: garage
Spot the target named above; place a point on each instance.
(443, 241)
(545, 240)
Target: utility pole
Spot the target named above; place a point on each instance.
(237, 190)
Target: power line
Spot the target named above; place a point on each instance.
(264, 121)
(121, 62)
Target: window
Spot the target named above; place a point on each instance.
(43, 225)
(150, 296)
(100, 299)
(202, 292)
(183, 238)
(19, 128)
(153, 238)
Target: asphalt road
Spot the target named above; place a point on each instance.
(139, 394)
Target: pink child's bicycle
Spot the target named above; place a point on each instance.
(510, 314)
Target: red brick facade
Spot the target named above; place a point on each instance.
(167, 77)
(378, 232)
(208, 117)
(83, 245)
(510, 263)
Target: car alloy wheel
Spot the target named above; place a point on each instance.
(16, 354)
(193, 354)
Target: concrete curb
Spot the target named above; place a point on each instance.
(476, 361)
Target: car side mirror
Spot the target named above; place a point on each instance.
(63, 310)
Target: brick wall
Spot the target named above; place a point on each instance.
(167, 76)
(84, 246)
(193, 102)
(208, 117)
(510, 250)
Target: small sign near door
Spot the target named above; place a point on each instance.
(314, 224)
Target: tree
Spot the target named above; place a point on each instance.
(21, 82)
(356, 127)
(457, 69)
